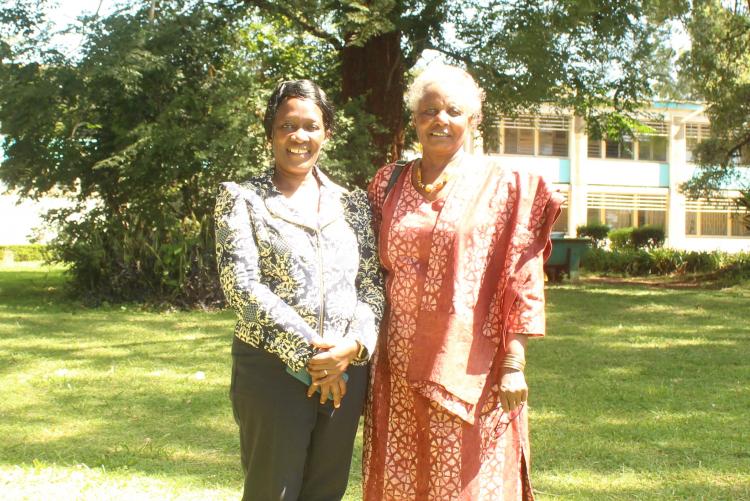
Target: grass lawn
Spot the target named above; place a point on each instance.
(638, 393)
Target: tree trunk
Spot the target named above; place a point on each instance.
(376, 71)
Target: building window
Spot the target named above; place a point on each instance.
(653, 148)
(691, 223)
(519, 141)
(714, 224)
(595, 148)
(618, 218)
(652, 218)
(714, 218)
(622, 148)
(491, 138)
(594, 216)
(614, 218)
(553, 143)
(553, 135)
(652, 145)
(739, 225)
(694, 134)
(561, 224)
(545, 135)
(622, 210)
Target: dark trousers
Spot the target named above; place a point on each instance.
(293, 448)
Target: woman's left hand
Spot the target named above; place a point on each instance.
(327, 365)
(336, 389)
(513, 389)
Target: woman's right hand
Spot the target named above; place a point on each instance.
(335, 387)
(513, 389)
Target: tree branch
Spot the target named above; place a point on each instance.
(737, 148)
(466, 60)
(305, 24)
(419, 43)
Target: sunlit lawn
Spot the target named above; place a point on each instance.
(637, 394)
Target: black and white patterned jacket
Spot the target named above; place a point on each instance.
(290, 276)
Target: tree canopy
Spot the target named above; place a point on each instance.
(718, 69)
(581, 55)
(161, 105)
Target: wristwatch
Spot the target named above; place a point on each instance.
(362, 352)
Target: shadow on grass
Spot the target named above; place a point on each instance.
(685, 491)
(653, 382)
(114, 388)
(648, 381)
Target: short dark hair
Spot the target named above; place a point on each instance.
(301, 89)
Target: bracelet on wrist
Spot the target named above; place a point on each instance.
(515, 362)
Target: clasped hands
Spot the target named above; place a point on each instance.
(327, 367)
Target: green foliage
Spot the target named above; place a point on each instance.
(743, 203)
(642, 237)
(717, 67)
(738, 267)
(347, 157)
(647, 237)
(30, 252)
(155, 111)
(664, 261)
(597, 232)
(667, 261)
(140, 132)
(620, 238)
(565, 51)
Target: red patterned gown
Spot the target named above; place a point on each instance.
(463, 271)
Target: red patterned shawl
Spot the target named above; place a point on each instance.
(491, 235)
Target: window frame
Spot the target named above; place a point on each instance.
(537, 124)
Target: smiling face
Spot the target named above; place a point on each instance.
(441, 120)
(298, 134)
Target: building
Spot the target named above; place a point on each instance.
(631, 182)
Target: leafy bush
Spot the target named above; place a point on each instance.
(620, 238)
(597, 232)
(668, 261)
(641, 263)
(703, 261)
(596, 260)
(647, 237)
(30, 252)
(738, 266)
(661, 261)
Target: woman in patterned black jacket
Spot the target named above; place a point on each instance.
(297, 262)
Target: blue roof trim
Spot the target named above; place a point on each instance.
(676, 106)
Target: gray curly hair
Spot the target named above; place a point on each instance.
(471, 95)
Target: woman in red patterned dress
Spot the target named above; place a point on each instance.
(463, 240)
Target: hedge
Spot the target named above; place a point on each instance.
(597, 232)
(620, 238)
(662, 261)
(30, 252)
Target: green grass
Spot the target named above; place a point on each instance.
(642, 393)
(638, 393)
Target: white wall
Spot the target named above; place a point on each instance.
(622, 172)
(727, 244)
